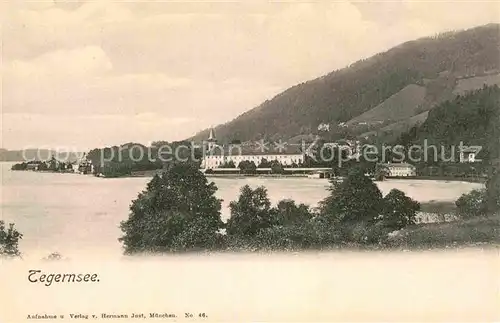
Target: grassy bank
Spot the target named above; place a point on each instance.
(460, 233)
(482, 232)
(481, 180)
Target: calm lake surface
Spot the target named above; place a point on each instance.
(71, 214)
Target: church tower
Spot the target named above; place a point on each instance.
(212, 141)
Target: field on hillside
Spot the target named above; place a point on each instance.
(401, 105)
(468, 84)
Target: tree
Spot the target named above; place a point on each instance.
(276, 167)
(399, 210)
(53, 164)
(9, 240)
(20, 166)
(368, 166)
(178, 210)
(493, 192)
(251, 213)
(381, 172)
(264, 163)
(472, 204)
(356, 199)
(247, 167)
(481, 202)
(289, 213)
(228, 164)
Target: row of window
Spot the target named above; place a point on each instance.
(217, 160)
(254, 158)
(393, 173)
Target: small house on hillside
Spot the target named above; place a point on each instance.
(469, 154)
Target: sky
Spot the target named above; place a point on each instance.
(85, 74)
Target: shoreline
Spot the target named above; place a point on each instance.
(235, 176)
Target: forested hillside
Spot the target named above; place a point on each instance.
(472, 118)
(435, 63)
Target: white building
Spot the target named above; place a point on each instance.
(468, 154)
(324, 127)
(399, 169)
(75, 167)
(218, 155)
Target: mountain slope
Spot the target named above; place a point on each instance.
(434, 63)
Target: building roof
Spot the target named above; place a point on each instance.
(471, 149)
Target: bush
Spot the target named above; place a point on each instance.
(399, 210)
(300, 236)
(362, 233)
(472, 204)
(276, 167)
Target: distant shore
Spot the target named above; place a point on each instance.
(151, 173)
(236, 175)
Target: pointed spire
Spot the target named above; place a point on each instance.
(211, 136)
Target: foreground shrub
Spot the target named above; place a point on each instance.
(303, 236)
(363, 233)
(308, 235)
(399, 210)
(472, 204)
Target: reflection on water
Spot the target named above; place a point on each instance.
(71, 213)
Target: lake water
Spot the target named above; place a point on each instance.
(71, 213)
